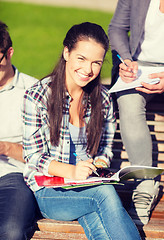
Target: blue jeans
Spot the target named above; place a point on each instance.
(133, 126)
(98, 210)
(17, 208)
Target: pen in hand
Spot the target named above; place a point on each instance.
(95, 172)
(123, 61)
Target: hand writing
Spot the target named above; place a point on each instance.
(128, 74)
(83, 169)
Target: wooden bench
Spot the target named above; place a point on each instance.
(58, 230)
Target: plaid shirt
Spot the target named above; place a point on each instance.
(38, 151)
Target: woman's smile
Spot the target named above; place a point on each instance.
(83, 77)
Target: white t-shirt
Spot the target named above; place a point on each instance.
(152, 48)
(11, 130)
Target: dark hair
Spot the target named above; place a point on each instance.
(56, 101)
(5, 40)
(84, 31)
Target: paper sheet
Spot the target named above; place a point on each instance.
(142, 76)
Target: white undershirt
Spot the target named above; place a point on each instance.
(152, 48)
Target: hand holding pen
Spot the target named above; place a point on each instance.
(128, 69)
(94, 171)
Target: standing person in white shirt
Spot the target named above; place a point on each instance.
(17, 202)
(144, 20)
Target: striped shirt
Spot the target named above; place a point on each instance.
(38, 151)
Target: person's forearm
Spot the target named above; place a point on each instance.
(82, 170)
(119, 42)
(13, 150)
(61, 169)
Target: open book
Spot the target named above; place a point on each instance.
(107, 176)
(142, 76)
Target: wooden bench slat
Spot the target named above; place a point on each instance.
(117, 160)
(149, 122)
(155, 117)
(157, 145)
(156, 155)
(59, 226)
(150, 233)
(158, 136)
(149, 116)
(39, 235)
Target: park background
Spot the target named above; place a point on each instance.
(38, 27)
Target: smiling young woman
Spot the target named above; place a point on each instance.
(70, 112)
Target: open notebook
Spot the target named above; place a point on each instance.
(142, 76)
(107, 176)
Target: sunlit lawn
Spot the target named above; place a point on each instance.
(38, 31)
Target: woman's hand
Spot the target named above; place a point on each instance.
(128, 73)
(83, 169)
(99, 163)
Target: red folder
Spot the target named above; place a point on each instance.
(49, 181)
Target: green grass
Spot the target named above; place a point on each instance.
(38, 31)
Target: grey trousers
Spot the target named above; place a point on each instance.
(134, 129)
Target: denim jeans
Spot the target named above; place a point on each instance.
(98, 209)
(17, 208)
(133, 126)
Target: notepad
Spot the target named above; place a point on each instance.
(142, 76)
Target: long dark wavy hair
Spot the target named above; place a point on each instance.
(92, 92)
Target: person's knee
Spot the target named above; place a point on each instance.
(107, 200)
(12, 233)
(108, 193)
(131, 106)
(28, 204)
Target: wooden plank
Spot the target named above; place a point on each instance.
(124, 157)
(59, 226)
(151, 238)
(149, 123)
(151, 233)
(154, 230)
(155, 116)
(157, 149)
(39, 235)
(123, 154)
(157, 145)
(158, 136)
(157, 127)
(116, 160)
(150, 116)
